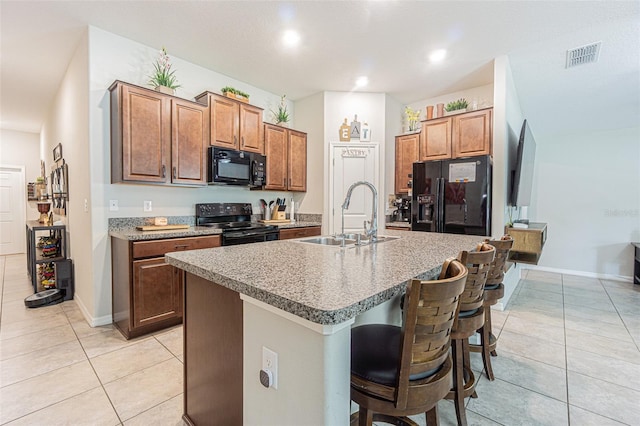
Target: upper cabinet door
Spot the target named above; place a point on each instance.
(275, 143)
(407, 147)
(190, 138)
(297, 161)
(141, 130)
(251, 129)
(472, 133)
(435, 141)
(224, 122)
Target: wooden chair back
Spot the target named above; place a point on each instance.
(503, 246)
(431, 309)
(478, 262)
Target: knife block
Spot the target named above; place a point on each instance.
(278, 215)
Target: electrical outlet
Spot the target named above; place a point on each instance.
(147, 206)
(86, 206)
(270, 362)
(113, 205)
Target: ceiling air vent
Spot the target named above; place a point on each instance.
(583, 54)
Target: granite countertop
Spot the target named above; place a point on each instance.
(399, 224)
(324, 284)
(132, 234)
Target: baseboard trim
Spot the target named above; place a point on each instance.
(579, 273)
(93, 322)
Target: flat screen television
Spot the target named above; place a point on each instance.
(523, 172)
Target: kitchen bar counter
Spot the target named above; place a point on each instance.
(132, 234)
(324, 284)
(300, 301)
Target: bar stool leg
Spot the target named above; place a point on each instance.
(485, 341)
(458, 381)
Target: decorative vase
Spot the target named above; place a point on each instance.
(429, 112)
(166, 90)
(440, 108)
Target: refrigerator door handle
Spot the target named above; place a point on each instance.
(439, 204)
(436, 207)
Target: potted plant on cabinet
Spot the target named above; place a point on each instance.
(456, 107)
(233, 93)
(163, 78)
(413, 118)
(281, 116)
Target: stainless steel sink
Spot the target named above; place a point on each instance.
(350, 240)
(328, 241)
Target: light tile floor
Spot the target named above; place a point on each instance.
(568, 355)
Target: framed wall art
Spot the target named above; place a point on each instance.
(57, 152)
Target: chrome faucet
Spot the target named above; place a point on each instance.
(372, 232)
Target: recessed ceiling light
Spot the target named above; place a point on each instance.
(438, 55)
(291, 38)
(362, 81)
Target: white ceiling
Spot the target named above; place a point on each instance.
(388, 41)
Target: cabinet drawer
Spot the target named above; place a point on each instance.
(154, 248)
(312, 231)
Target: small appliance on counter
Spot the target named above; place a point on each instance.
(403, 209)
(234, 219)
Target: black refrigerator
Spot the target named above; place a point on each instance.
(452, 196)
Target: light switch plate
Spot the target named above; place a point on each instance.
(147, 206)
(113, 205)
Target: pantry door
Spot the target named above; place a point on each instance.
(12, 210)
(350, 163)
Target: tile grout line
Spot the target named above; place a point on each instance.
(619, 315)
(93, 369)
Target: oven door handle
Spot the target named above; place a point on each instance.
(243, 235)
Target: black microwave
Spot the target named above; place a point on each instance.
(232, 167)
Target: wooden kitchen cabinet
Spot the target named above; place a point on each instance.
(286, 152)
(157, 138)
(234, 124)
(407, 152)
(309, 231)
(527, 242)
(463, 135)
(146, 291)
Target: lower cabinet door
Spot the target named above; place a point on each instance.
(157, 292)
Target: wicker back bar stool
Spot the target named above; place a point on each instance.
(470, 319)
(401, 371)
(493, 291)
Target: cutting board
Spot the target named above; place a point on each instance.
(161, 227)
(275, 221)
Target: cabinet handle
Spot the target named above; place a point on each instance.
(181, 246)
(284, 181)
(242, 140)
(289, 182)
(235, 140)
(174, 172)
(164, 171)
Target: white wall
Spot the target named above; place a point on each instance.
(309, 116)
(68, 124)
(22, 149)
(587, 189)
(394, 112)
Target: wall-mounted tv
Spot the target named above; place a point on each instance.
(523, 172)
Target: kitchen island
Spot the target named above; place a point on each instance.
(299, 300)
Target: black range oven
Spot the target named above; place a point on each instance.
(234, 219)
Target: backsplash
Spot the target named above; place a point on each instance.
(132, 222)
